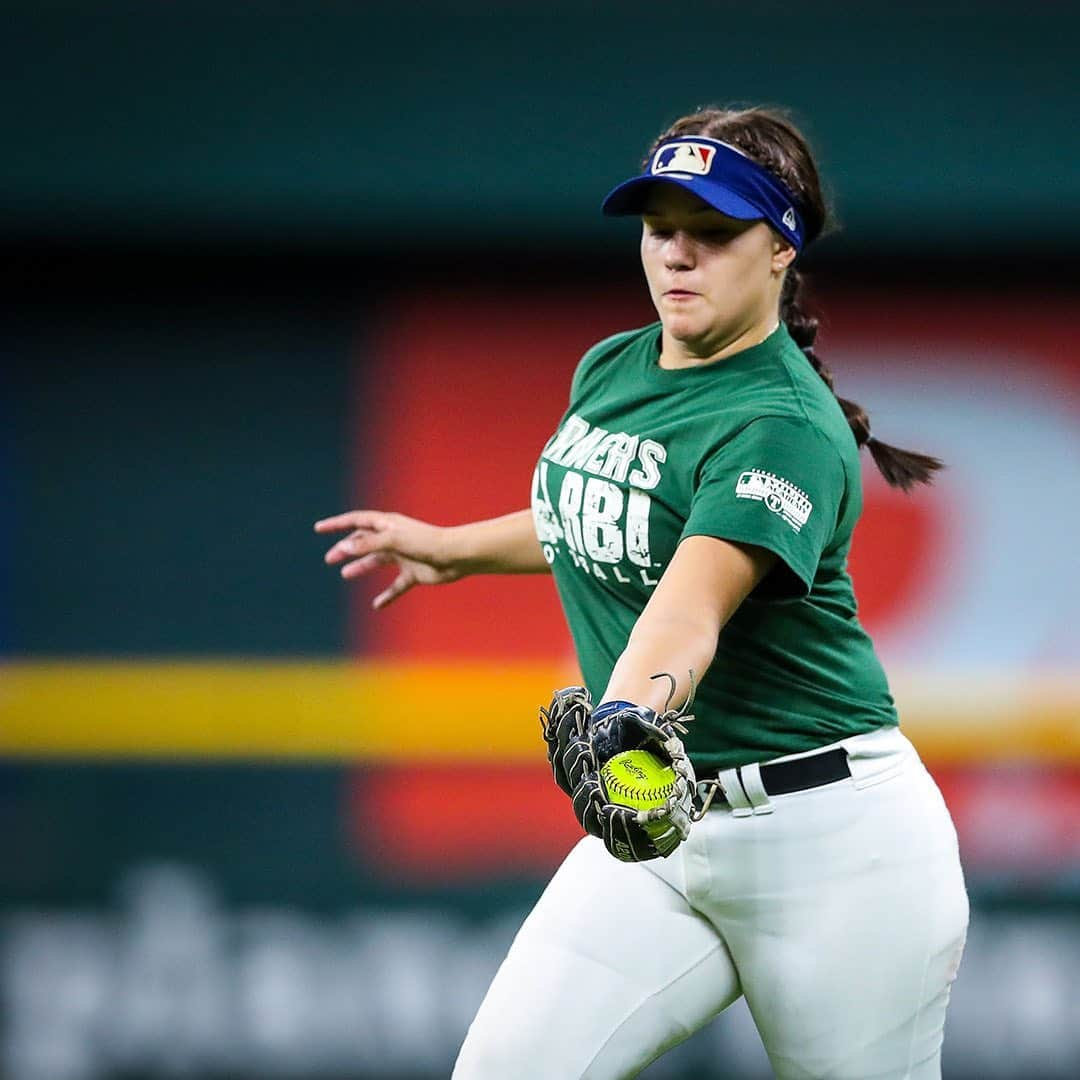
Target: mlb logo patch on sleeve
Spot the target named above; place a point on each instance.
(779, 495)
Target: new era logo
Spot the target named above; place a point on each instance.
(789, 218)
(684, 157)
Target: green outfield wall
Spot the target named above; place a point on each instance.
(354, 124)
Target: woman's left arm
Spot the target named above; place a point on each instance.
(678, 631)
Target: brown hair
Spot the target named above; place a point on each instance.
(773, 141)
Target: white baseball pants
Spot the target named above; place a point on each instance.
(840, 912)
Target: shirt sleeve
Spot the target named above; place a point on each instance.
(779, 484)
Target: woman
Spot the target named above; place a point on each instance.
(696, 507)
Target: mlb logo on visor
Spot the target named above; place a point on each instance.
(691, 158)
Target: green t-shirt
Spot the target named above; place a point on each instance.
(751, 448)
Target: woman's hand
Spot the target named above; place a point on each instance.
(421, 552)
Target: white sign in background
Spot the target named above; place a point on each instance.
(169, 983)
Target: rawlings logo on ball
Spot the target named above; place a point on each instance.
(638, 779)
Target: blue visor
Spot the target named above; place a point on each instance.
(723, 177)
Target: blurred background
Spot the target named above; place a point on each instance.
(263, 262)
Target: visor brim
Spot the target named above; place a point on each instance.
(631, 196)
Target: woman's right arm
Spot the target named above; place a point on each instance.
(432, 554)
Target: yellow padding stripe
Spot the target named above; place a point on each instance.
(260, 710)
(425, 711)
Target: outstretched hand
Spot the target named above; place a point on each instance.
(417, 549)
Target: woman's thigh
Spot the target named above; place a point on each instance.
(610, 969)
(849, 940)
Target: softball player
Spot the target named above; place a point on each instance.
(695, 506)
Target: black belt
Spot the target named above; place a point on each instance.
(784, 777)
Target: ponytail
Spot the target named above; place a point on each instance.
(901, 468)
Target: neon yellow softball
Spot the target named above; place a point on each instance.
(637, 779)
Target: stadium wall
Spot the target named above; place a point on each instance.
(233, 804)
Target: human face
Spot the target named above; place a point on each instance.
(715, 280)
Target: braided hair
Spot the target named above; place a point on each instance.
(772, 140)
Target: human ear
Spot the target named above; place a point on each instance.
(783, 255)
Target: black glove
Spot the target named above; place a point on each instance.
(565, 726)
(618, 826)
(580, 741)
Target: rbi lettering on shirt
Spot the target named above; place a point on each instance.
(752, 449)
(602, 527)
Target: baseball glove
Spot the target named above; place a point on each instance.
(580, 740)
